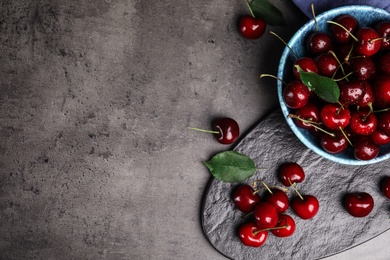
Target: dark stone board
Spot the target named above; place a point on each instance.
(271, 143)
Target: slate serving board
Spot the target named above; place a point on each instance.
(333, 230)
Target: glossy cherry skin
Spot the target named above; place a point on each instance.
(279, 199)
(245, 198)
(251, 235)
(334, 116)
(327, 64)
(291, 172)
(367, 45)
(359, 204)
(380, 138)
(309, 112)
(383, 28)
(334, 144)
(365, 149)
(307, 64)
(363, 68)
(369, 97)
(384, 122)
(306, 208)
(385, 186)
(319, 42)
(284, 220)
(251, 27)
(348, 22)
(363, 123)
(266, 215)
(228, 129)
(351, 92)
(296, 94)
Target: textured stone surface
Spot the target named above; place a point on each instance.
(333, 230)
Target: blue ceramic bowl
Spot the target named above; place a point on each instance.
(367, 16)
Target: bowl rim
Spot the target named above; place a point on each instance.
(285, 109)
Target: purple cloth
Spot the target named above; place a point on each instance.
(324, 5)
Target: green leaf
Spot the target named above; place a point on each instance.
(230, 166)
(267, 11)
(325, 88)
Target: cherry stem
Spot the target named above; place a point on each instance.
(314, 16)
(280, 188)
(312, 123)
(246, 215)
(204, 130)
(250, 9)
(382, 110)
(338, 61)
(266, 229)
(353, 36)
(344, 77)
(345, 135)
(272, 76)
(285, 43)
(266, 186)
(294, 186)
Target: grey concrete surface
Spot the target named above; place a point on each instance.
(96, 96)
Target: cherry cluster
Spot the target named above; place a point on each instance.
(268, 211)
(357, 59)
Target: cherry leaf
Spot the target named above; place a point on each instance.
(325, 88)
(267, 11)
(231, 166)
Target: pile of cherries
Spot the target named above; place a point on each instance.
(357, 58)
(268, 212)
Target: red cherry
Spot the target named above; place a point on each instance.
(363, 123)
(334, 116)
(351, 92)
(348, 22)
(251, 27)
(251, 235)
(365, 149)
(245, 198)
(368, 97)
(380, 138)
(383, 28)
(385, 186)
(309, 112)
(319, 42)
(306, 64)
(291, 172)
(278, 199)
(334, 144)
(367, 44)
(266, 215)
(363, 68)
(359, 204)
(306, 207)
(228, 129)
(296, 94)
(284, 220)
(327, 64)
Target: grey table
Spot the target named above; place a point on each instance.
(96, 158)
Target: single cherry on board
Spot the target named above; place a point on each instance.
(288, 226)
(266, 215)
(385, 186)
(305, 206)
(245, 198)
(279, 199)
(251, 27)
(359, 204)
(225, 130)
(250, 235)
(291, 172)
